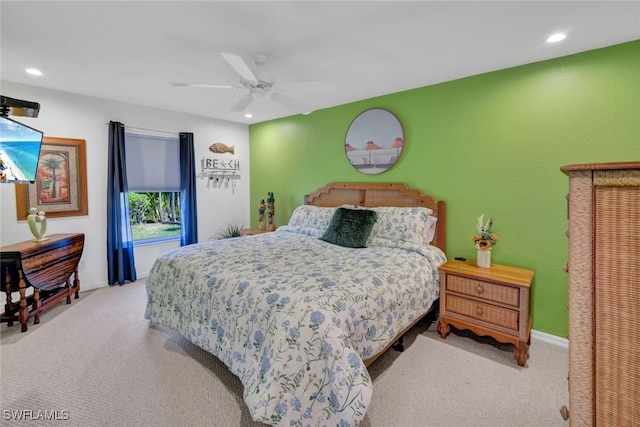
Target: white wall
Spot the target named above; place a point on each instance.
(73, 116)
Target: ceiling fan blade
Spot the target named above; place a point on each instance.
(242, 103)
(208, 85)
(240, 66)
(290, 103)
(305, 86)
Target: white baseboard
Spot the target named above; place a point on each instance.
(548, 338)
(105, 284)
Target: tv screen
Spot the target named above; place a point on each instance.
(19, 152)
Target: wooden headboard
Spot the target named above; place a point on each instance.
(381, 194)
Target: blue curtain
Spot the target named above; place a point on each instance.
(120, 261)
(188, 201)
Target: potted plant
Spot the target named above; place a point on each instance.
(484, 239)
(230, 231)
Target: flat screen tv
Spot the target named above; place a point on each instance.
(19, 152)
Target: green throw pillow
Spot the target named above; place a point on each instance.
(350, 227)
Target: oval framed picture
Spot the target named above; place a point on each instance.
(374, 141)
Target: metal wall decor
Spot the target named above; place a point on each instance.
(374, 141)
(220, 167)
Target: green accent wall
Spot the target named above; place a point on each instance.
(489, 144)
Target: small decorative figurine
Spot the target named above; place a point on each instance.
(33, 219)
(271, 210)
(261, 209)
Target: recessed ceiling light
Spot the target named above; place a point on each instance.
(556, 38)
(33, 71)
(248, 115)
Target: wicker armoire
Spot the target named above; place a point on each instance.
(604, 294)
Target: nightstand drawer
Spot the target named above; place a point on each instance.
(487, 291)
(484, 312)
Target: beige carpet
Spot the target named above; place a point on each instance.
(97, 362)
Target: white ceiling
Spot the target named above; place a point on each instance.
(130, 51)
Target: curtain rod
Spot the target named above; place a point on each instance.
(126, 127)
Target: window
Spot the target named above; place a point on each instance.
(153, 178)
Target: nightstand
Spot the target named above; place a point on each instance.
(494, 301)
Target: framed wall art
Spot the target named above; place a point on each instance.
(60, 188)
(374, 141)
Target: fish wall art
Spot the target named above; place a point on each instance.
(220, 148)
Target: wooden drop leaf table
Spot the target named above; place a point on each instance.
(47, 266)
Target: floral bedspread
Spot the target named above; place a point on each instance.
(294, 317)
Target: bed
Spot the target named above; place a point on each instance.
(299, 313)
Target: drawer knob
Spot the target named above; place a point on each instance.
(479, 311)
(479, 289)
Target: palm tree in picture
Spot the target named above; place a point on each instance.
(52, 163)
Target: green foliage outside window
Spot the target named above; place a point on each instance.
(154, 215)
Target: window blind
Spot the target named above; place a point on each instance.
(153, 162)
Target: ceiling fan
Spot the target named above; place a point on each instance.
(258, 88)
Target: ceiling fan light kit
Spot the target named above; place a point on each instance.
(258, 88)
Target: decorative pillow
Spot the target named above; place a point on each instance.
(409, 224)
(308, 216)
(350, 227)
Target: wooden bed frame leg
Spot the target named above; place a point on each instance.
(399, 345)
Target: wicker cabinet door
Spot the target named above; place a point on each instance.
(616, 301)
